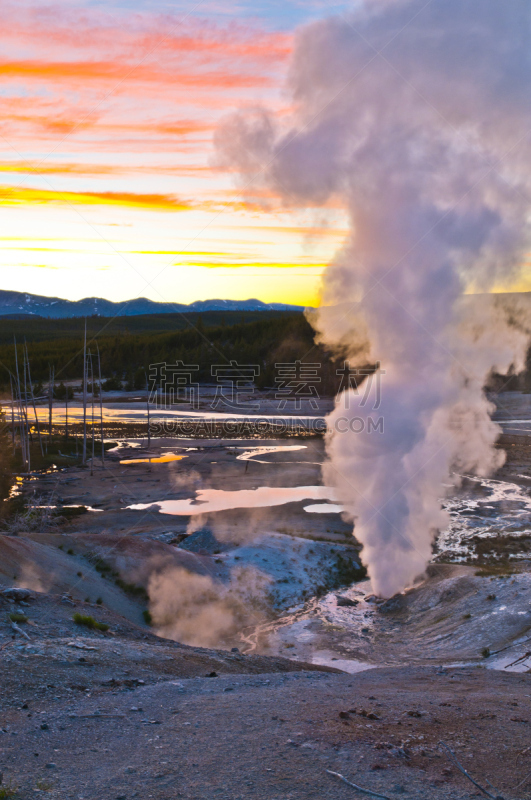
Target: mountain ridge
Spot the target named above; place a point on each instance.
(25, 303)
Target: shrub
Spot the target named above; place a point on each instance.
(61, 392)
(112, 385)
(132, 588)
(90, 622)
(104, 568)
(16, 616)
(148, 619)
(8, 792)
(44, 786)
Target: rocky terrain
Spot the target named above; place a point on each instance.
(95, 706)
(120, 715)
(313, 676)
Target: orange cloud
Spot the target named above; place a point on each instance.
(118, 71)
(139, 35)
(121, 77)
(10, 195)
(44, 168)
(57, 168)
(238, 42)
(86, 83)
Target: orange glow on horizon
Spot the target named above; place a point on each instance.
(107, 132)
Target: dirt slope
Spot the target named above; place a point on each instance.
(269, 736)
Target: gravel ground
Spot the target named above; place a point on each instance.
(270, 736)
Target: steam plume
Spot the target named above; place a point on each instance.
(196, 610)
(417, 116)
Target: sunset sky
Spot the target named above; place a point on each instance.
(108, 183)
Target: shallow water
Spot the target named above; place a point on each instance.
(252, 453)
(483, 507)
(512, 660)
(131, 411)
(153, 459)
(207, 501)
(75, 505)
(324, 508)
(326, 658)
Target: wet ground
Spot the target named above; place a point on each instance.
(252, 517)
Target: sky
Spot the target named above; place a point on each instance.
(108, 180)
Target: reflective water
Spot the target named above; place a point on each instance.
(324, 508)
(153, 459)
(135, 411)
(210, 500)
(252, 453)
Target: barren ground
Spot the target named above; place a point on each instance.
(121, 714)
(271, 735)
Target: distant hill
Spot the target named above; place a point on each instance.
(17, 304)
(19, 316)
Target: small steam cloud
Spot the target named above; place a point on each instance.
(35, 578)
(197, 610)
(417, 117)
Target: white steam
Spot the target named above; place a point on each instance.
(417, 116)
(198, 610)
